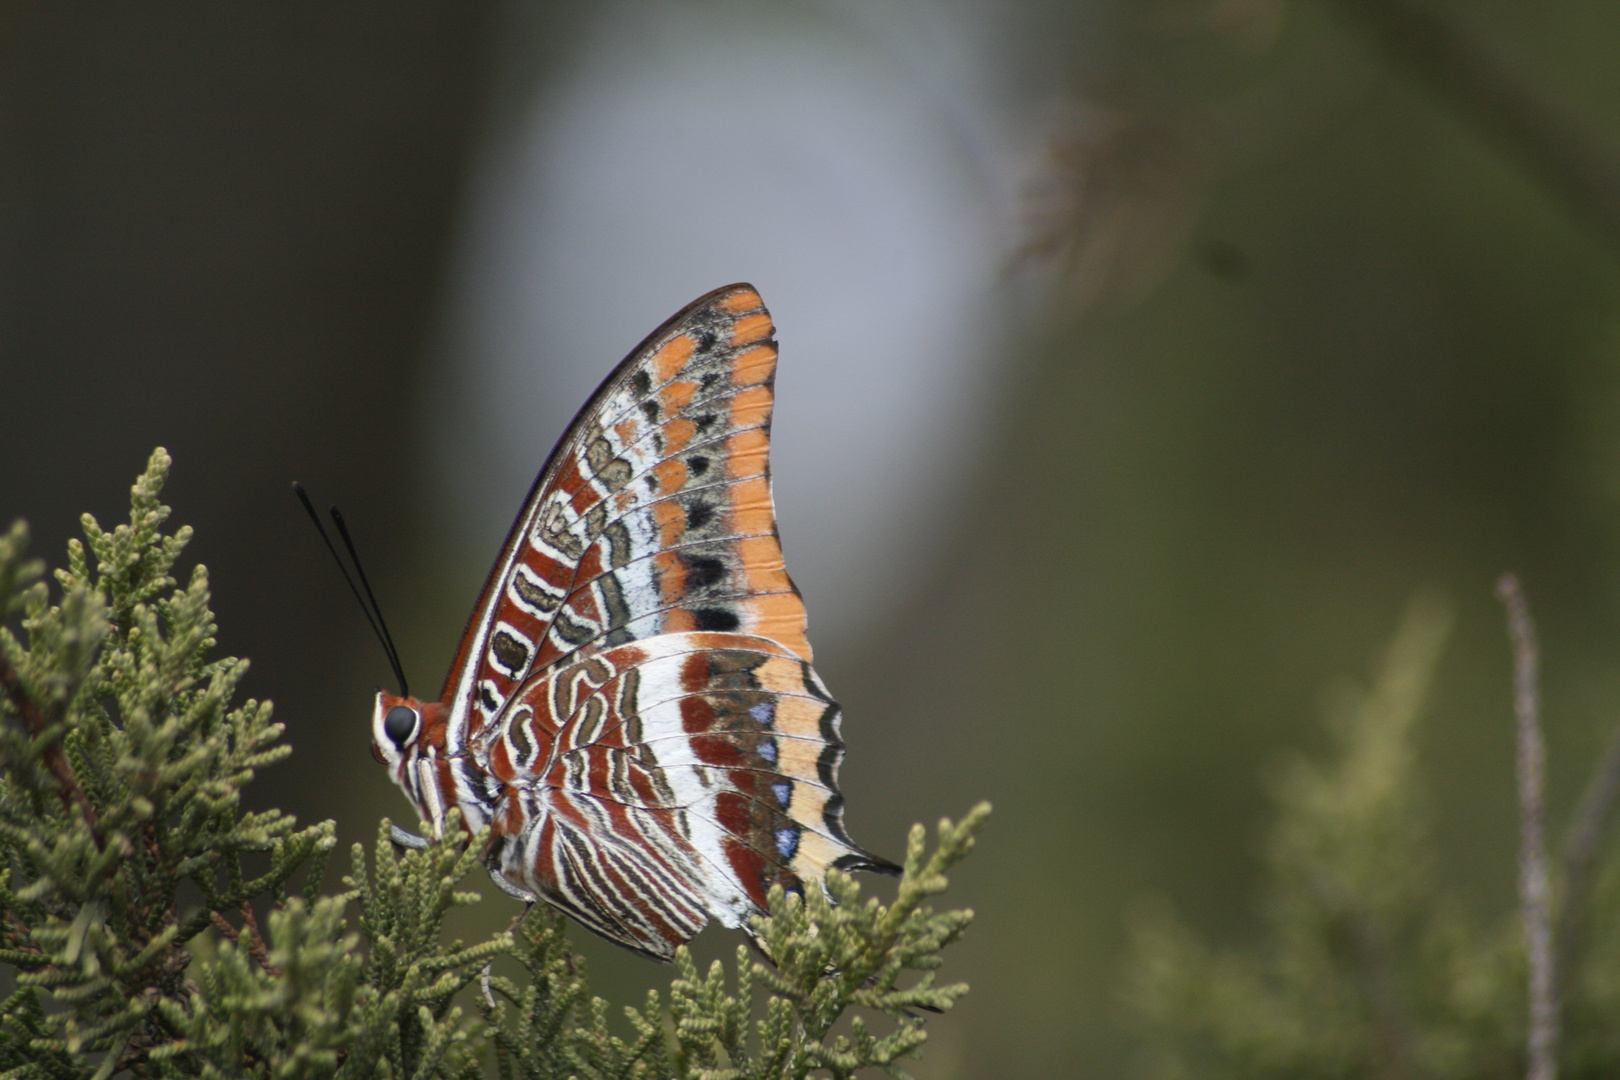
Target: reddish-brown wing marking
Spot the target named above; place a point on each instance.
(649, 786)
(632, 709)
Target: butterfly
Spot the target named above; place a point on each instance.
(632, 709)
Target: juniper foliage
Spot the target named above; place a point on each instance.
(832, 954)
(1371, 965)
(151, 927)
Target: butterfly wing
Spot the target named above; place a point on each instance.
(632, 707)
(653, 515)
(649, 786)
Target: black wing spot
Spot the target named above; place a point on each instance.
(703, 571)
(715, 620)
(641, 382)
(698, 514)
(649, 409)
(512, 654)
(522, 741)
(706, 340)
(707, 381)
(697, 465)
(705, 422)
(572, 630)
(531, 593)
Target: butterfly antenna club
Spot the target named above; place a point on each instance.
(373, 611)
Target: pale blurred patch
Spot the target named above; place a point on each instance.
(846, 174)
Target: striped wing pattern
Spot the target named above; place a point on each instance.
(653, 515)
(632, 709)
(649, 786)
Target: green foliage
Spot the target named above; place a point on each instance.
(1370, 968)
(832, 954)
(307, 1003)
(134, 887)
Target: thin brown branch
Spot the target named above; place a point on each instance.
(21, 938)
(36, 719)
(250, 931)
(256, 945)
(1532, 767)
(1559, 151)
(223, 925)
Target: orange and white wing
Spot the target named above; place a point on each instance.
(652, 516)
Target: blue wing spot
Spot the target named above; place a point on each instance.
(767, 750)
(787, 841)
(764, 712)
(783, 793)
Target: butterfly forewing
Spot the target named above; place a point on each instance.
(652, 515)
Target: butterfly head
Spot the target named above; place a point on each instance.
(404, 731)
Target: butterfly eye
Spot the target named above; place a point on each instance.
(399, 724)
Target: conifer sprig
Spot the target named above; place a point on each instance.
(835, 957)
(124, 761)
(153, 928)
(1372, 966)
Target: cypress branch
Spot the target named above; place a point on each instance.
(1373, 966)
(123, 755)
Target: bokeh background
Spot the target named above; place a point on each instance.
(1141, 359)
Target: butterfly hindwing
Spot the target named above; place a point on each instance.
(656, 783)
(653, 515)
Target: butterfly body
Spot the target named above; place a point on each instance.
(632, 709)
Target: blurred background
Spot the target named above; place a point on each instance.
(1141, 359)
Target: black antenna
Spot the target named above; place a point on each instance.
(378, 626)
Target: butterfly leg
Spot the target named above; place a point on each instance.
(483, 984)
(406, 839)
(512, 890)
(430, 792)
(515, 893)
